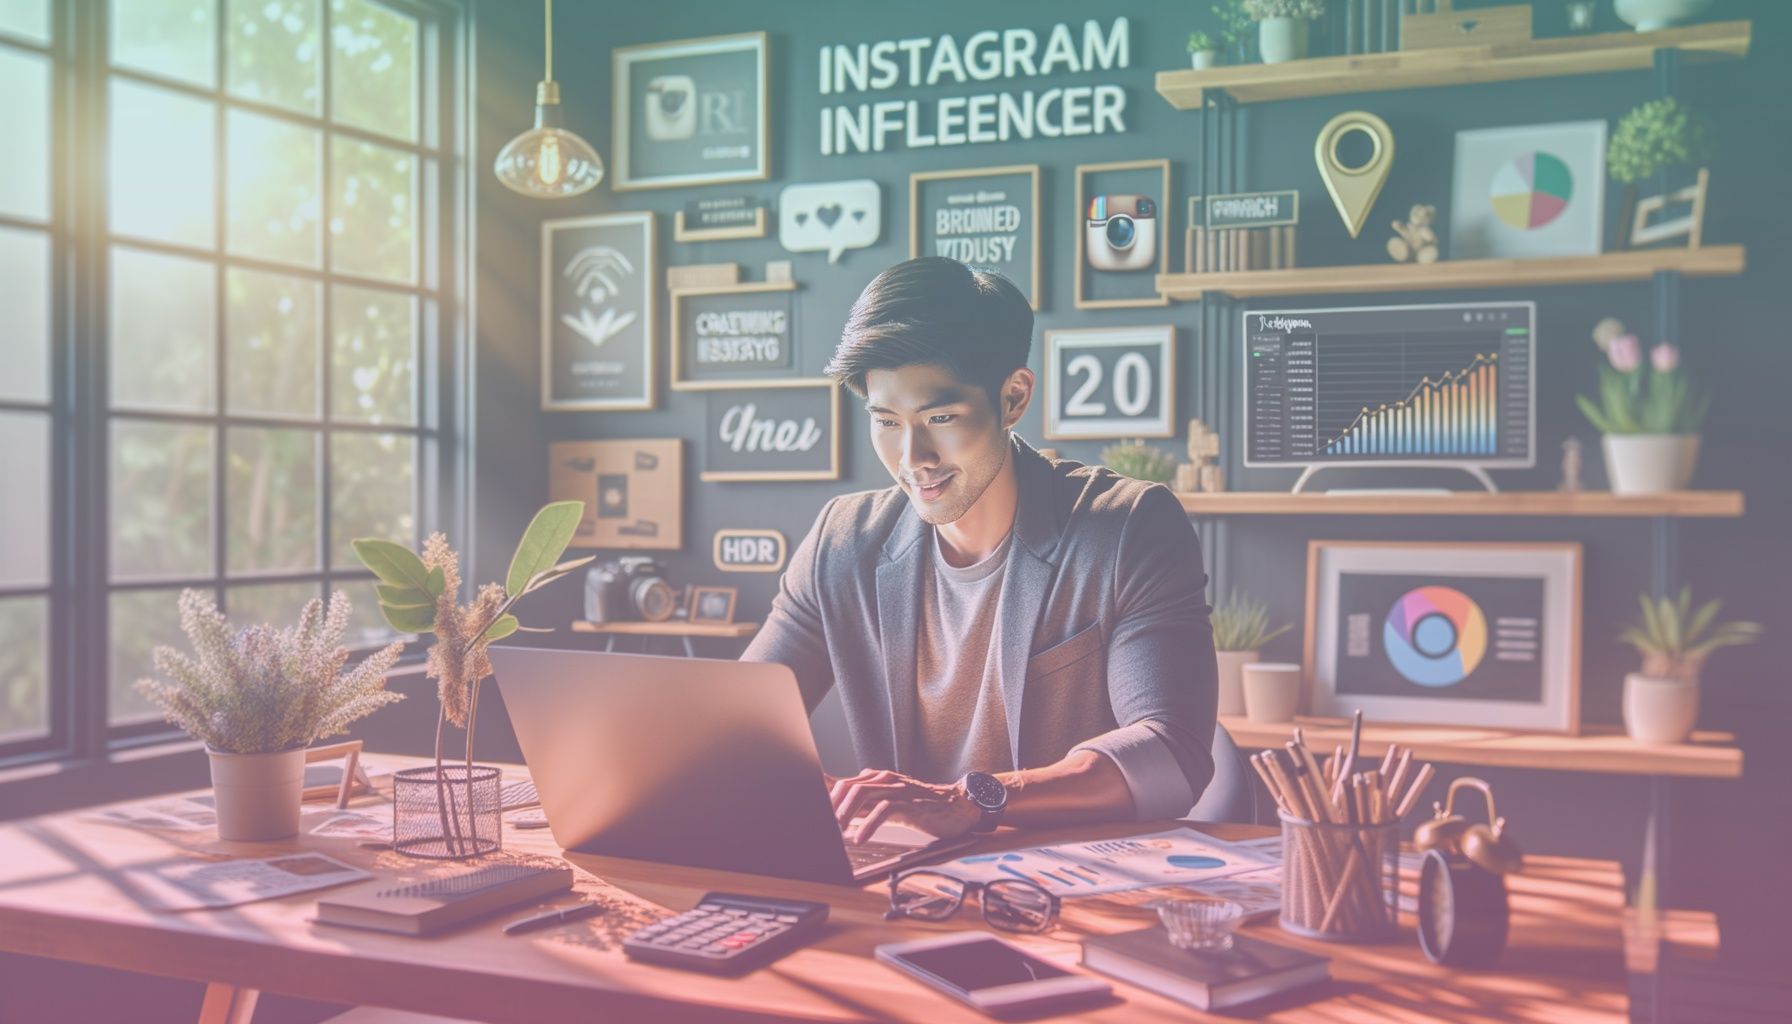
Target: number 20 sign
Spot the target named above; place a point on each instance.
(1110, 382)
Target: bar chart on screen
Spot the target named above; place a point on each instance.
(1457, 414)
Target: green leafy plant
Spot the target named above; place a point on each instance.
(1658, 135)
(1235, 24)
(1261, 10)
(1674, 639)
(1198, 41)
(1638, 396)
(1242, 624)
(262, 690)
(1139, 461)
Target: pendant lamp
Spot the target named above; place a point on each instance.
(548, 161)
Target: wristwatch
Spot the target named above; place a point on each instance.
(988, 795)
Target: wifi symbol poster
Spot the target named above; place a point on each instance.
(597, 312)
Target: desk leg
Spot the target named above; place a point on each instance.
(689, 651)
(609, 643)
(227, 1004)
(1651, 889)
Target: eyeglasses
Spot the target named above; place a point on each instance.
(1012, 906)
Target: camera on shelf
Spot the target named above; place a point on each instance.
(1122, 232)
(630, 589)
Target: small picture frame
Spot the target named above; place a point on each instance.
(1110, 382)
(739, 335)
(986, 217)
(599, 296)
(713, 606)
(691, 112)
(1117, 264)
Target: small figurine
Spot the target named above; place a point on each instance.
(1571, 464)
(1414, 238)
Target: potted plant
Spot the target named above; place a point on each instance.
(452, 811)
(258, 697)
(1235, 29)
(1661, 702)
(1240, 631)
(1202, 50)
(1648, 412)
(1139, 461)
(1658, 138)
(1282, 26)
(1650, 15)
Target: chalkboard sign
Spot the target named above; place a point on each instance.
(788, 431)
(691, 112)
(597, 312)
(749, 550)
(719, 218)
(1110, 382)
(733, 336)
(987, 217)
(1245, 210)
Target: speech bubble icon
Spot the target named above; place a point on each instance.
(830, 216)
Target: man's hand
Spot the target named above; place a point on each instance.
(939, 810)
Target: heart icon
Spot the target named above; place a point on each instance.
(828, 214)
(801, 219)
(858, 215)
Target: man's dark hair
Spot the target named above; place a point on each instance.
(936, 311)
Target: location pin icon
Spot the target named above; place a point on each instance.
(1354, 189)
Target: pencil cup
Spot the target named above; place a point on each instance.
(1340, 882)
(453, 815)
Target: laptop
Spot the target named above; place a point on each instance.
(687, 761)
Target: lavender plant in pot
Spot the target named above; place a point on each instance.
(258, 697)
(1648, 412)
(1661, 702)
(1241, 630)
(451, 811)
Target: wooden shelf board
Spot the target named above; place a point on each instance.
(1456, 65)
(1677, 504)
(1710, 755)
(731, 630)
(1632, 265)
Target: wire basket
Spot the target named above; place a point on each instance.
(1340, 882)
(451, 813)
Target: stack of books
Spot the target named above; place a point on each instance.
(1250, 970)
(1221, 250)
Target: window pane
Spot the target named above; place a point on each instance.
(271, 324)
(161, 499)
(273, 189)
(372, 211)
(366, 626)
(24, 666)
(173, 38)
(272, 52)
(25, 325)
(161, 176)
(141, 620)
(373, 68)
(25, 511)
(373, 357)
(277, 604)
(371, 491)
(29, 19)
(270, 499)
(25, 173)
(161, 312)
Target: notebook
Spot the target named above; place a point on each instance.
(1250, 970)
(423, 908)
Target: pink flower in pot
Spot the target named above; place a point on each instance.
(1665, 358)
(1625, 353)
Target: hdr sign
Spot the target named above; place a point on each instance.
(749, 550)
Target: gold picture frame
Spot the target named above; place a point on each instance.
(1161, 335)
(757, 229)
(701, 595)
(833, 470)
(622, 60)
(679, 295)
(643, 221)
(915, 180)
(1083, 171)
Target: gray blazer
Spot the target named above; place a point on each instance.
(1105, 640)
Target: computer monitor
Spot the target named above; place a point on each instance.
(1437, 385)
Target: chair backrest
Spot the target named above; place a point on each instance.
(1230, 796)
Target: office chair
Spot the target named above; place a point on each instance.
(1230, 796)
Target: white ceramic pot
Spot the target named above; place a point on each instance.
(1271, 691)
(258, 795)
(1201, 59)
(1658, 710)
(1649, 15)
(1232, 665)
(1650, 463)
(1280, 39)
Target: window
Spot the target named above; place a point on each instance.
(262, 368)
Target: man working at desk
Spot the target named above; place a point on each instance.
(1015, 639)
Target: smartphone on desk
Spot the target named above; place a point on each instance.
(991, 975)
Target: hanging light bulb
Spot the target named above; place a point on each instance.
(548, 161)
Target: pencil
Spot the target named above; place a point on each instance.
(1419, 782)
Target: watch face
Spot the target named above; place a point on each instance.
(985, 790)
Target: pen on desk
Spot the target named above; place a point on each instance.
(553, 917)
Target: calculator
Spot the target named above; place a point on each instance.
(727, 932)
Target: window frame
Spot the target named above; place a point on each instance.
(81, 412)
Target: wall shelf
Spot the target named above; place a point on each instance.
(1456, 65)
(1677, 504)
(1632, 265)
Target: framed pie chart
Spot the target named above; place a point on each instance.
(1531, 191)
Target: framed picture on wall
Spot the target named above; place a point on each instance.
(598, 289)
(1531, 191)
(1122, 233)
(781, 430)
(987, 217)
(713, 606)
(1484, 634)
(733, 336)
(633, 491)
(1110, 382)
(691, 112)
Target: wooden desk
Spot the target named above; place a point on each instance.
(678, 628)
(61, 897)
